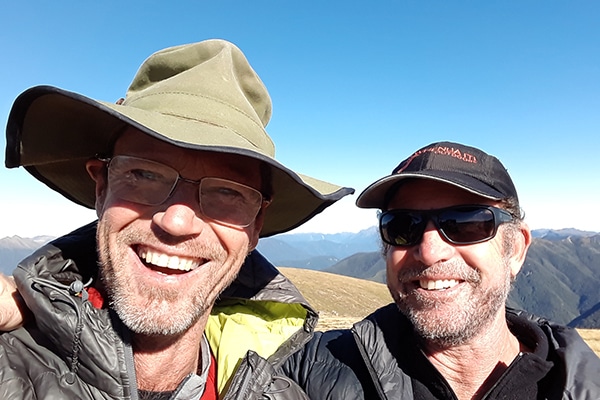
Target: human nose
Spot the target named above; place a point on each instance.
(180, 214)
(433, 248)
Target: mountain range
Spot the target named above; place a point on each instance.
(559, 280)
(15, 248)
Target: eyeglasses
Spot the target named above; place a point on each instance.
(151, 183)
(467, 224)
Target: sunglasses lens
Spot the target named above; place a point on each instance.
(401, 228)
(467, 224)
(458, 225)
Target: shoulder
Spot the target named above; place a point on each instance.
(325, 350)
(381, 331)
(580, 365)
(72, 253)
(575, 363)
(330, 364)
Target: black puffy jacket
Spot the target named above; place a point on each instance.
(379, 359)
(75, 351)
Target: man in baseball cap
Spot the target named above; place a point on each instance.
(453, 241)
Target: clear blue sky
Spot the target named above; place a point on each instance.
(357, 86)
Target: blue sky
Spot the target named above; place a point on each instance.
(356, 87)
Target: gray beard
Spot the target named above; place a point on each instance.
(460, 325)
(156, 316)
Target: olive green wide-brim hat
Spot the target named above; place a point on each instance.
(201, 96)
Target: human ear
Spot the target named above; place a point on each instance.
(521, 240)
(97, 170)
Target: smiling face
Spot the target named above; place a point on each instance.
(163, 266)
(451, 292)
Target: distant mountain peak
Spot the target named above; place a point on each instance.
(559, 234)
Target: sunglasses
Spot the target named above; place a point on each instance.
(151, 183)
(467, 224)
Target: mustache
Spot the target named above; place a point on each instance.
(451, 269)
(185, 245)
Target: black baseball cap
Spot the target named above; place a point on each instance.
(459, 165)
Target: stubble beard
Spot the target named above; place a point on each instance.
(151, 310)
(458, 324)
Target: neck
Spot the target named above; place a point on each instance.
(473, 367)
(163, 362)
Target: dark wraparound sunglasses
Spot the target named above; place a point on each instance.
(466, 224)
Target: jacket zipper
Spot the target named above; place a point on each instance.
(128, 355)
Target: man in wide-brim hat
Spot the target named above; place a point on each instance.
(183, 177)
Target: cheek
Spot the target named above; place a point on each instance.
(395, 259)
(235, 241)
(487, 257)
(118, 214)
(492, 250)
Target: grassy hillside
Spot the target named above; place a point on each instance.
(342, 300)
(592, 337)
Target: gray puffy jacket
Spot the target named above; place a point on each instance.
(367, 362)
(75, 351)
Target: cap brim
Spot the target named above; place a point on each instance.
(376, 195)
(53, 132)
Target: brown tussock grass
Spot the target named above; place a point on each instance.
(592, 338)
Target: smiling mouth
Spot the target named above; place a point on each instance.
(162, 261)
(440, 284)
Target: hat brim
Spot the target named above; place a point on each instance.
(53, 132)
(377, 194)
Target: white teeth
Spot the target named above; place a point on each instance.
(437, 285)
(161, 260)
(173, 263)
(166, 261)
